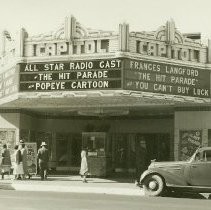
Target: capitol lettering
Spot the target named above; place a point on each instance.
(66, 48)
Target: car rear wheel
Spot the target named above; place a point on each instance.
(153, 185)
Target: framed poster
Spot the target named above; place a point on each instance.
(31, 157)
(190, 140)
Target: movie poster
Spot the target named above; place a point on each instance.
(190, 140)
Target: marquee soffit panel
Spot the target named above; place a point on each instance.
(82, 99)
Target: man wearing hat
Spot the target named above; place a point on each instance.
(43, 160)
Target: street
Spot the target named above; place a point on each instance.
(14, 200)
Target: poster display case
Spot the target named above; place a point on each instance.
(31, 148)
(98, 153)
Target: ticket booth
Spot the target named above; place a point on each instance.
(98, 149)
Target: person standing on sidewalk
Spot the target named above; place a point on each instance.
(24, 160)
(6, 161)
(84, 166)
(18, 165)
(141, 160)
(42, 156)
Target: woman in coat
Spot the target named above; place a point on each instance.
(24, 160)
(84, 166)
(6, 161)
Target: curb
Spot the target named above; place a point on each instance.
(77, 189)
(96, 186)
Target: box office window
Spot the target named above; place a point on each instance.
(95, 143)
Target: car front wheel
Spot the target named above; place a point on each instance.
(153, 185)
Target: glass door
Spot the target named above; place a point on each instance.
(75, 148)
(61, 149)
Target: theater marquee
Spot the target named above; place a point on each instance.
(148, 76)
(77, 75)
(138, 75)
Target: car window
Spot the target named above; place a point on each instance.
(198, 156)
(207, 155)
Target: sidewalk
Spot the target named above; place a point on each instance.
(73, 184)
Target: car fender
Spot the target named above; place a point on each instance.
(168, 177)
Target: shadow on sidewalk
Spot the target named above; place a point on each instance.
(186, 195)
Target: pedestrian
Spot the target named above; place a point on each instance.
(84, 166)
(18, 165)
(6, 161)
(141, 160)
(24, 160)
(42, 156)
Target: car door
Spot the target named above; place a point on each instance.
(200, 169)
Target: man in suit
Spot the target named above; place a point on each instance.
(43, 160)
(141, 159)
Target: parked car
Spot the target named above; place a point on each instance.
(193, 175)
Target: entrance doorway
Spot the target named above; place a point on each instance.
(157, 146)
(68, 150)
(126, 150)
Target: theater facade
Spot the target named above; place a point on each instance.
(106, 91)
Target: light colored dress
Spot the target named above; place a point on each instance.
(18, 165)
(84, 165)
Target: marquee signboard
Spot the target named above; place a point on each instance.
(138, 75)
(77, 75)
(148, 76)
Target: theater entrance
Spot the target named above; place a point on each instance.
(111, 152)
(128, 155)
(68, 149)
(154, 146)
